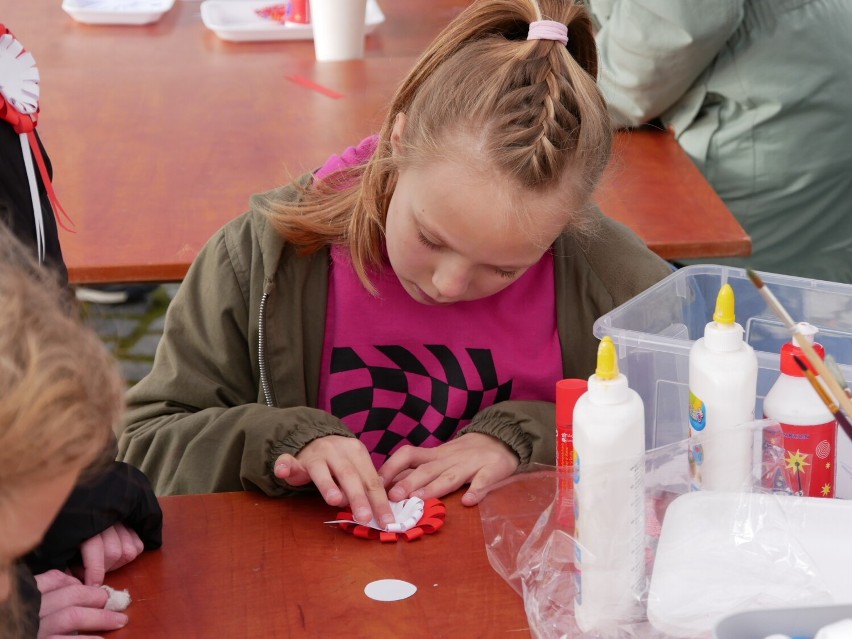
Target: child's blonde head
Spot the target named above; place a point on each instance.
(531, 109)
(61, 394)
(60, 391)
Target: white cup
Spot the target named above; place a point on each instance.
(338, 27)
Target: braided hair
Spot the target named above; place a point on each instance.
(533, 107)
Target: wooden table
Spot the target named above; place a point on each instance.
(159, 134)
(237, 565)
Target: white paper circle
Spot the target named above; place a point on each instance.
(389, 590)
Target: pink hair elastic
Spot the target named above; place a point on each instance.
(548, 30)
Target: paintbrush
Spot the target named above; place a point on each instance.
(807, 348)
(831, 363)
(830, 404)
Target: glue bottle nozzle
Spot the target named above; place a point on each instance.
(725, 306)
(607, 361)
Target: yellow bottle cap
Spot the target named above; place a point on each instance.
(607, 361)
(725, 306)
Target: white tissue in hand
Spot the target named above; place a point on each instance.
(406, 514)
(118, 599)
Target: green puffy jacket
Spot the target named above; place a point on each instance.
(759, 94)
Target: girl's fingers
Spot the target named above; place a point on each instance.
(94, 564)
(70, 621)
(320, 473)
(112, 549)
(130, 546)
(479, 459)
(365, 490)
(73, 596)
(404, 459)
(291, 471)
(54, 579)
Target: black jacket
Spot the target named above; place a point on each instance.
(16, 208)
(121, 494)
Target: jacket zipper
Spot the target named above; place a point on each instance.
(261, 350)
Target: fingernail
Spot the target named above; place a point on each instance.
(388, 519)
(279, 468)
(363, 515)
(121, 619)
(332, 495)
(396, 493)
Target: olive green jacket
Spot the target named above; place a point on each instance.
(236, 374)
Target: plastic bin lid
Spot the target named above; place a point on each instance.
(720, 553)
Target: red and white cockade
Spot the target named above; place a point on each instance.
(19, 106)
(428, 517)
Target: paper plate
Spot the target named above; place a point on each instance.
(117, 11)
(720, 553)
(237, 21)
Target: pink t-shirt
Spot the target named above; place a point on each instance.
(399, 372)
(352, 156)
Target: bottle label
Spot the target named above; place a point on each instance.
(801, 459)
(564, 462)
(578, 552)
(697, 413)
(564, 446)
(695, 452)
(578, 574)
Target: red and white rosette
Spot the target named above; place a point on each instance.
(19, 94)
(428, 520)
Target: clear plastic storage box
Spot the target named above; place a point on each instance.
(654, 331)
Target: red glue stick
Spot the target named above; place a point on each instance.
(568, 391)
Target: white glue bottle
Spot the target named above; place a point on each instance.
(609, 499)
(808, 427)
(722, 395)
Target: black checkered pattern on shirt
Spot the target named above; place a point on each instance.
(395, 379)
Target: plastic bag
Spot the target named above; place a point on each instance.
(721, 552)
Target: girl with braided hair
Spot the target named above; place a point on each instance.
(393, 324)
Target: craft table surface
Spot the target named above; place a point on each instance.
(159, 134)
(236, 565)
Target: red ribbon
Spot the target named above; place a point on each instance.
(58, 209)
(21, 122)
(26, 123)
(434, 513)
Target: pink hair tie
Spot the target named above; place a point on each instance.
(548, 30)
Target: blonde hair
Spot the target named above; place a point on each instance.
(534, 104)
(61, 393)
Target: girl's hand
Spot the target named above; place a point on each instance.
(474, 458)
(343, 472)
(110, 550)
(72, 609)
